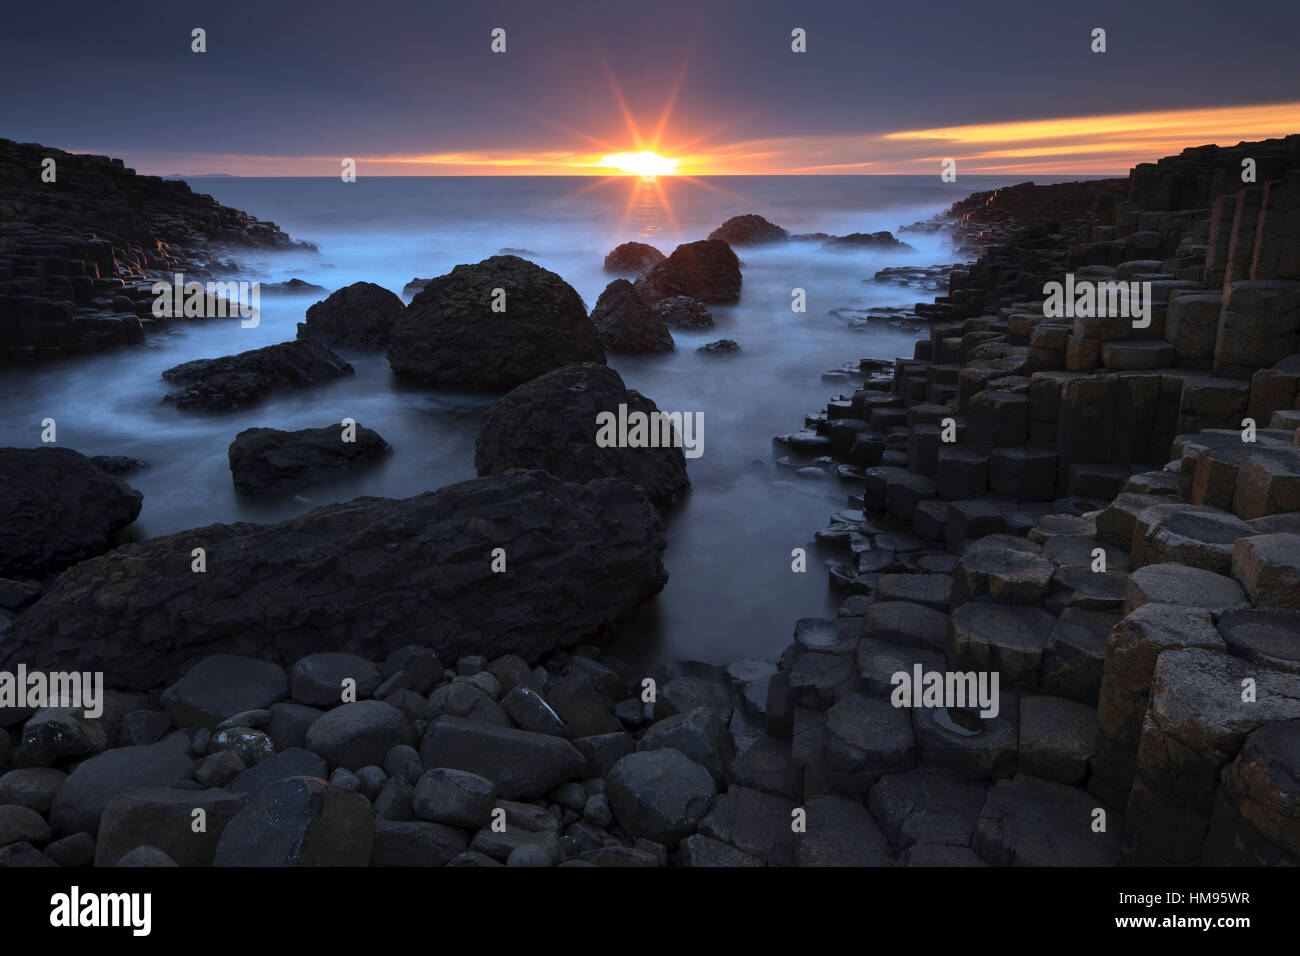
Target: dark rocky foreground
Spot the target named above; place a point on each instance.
(78, 255)
(1065, 504)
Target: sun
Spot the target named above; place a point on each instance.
(646, 164)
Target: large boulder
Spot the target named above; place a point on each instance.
(360, 577)
(359, 316)
(706, 270)
(266, 460)
(633, 257)
(87, 791)
(56, 508)
(551, 423)
(661, 795)
(749, 230)
(300, 821)
(450, 336)
(522, 764)
(683, 312)
(626, 323)
(234, 381)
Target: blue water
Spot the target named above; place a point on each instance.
(731, 592)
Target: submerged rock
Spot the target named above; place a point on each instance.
(361, 577)
(57, 507)
(722, 346)
(358, 316)
(266, 459)
(452, 337)
(683, 312)
(551, 423)
(233, 381)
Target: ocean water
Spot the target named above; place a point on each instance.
(731, 592)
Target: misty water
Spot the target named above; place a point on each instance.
(731, 592)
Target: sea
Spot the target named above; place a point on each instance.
(732, 593)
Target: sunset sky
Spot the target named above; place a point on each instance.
(413, 89)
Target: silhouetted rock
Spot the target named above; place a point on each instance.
(749, 230)
(57, 507)
(233, 381)
(706, 270)
(267, 459)
(550, 423)
(633, 257)
(859, 240)
(626, 323)
(359, 316)
(361, 577)
(450, 336)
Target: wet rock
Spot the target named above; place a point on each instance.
(1056, 738)
(318, 679)
(1033, 822)
(1003, 576)
(866, 240)
(455, 798)
(926, 806)
(359, 734)
(56, 508)
(521, 764)
(268, 460)
(84, 795)
(863, 739)
(451, 337)
(356, 578)
(697, 850)
(164, 818)
(301, 821)
(1007, 638)
(32, 787)
(1182, 586)
(840, 832)
(292, 762)
(626, 323)
(551, 423)
(972, 747)
(221, 685)
(57, 733)
(698, 734)
(236, 381)
(721, 346)
(753, 822)
(415, 843)
(359, 316)
(659, 794)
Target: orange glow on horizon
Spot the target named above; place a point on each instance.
(1088, 145)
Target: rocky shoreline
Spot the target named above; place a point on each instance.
(1064, 509)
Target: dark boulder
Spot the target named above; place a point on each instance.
(233, 381)
(683, 312)
(866, 240)
(722, 346)
(292, 287)
(57, 507)
(706, 270)
(550, 423)
(626, 323)
(749, 230)
(359, 316)
(362, 577)
(450, 337)
(634, 257)
(266, 460)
